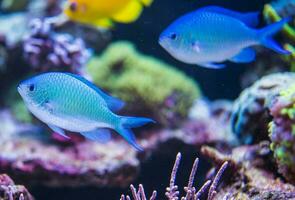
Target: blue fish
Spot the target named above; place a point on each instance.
(66, 101)
(212, 35)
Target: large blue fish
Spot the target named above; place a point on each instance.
(212, 35)
(69, 102)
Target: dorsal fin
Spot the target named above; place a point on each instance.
(250, 19)
(113, 103)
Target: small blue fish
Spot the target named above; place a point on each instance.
(70, 102)
(212, 35)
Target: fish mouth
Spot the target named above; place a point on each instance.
(162, 42)
(20, 90)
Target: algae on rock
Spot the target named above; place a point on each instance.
(149, 86)
(282, 132)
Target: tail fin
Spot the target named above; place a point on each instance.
(125, 125)
(265, 36)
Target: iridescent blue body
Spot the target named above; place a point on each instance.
(70, 102)
(213, 35)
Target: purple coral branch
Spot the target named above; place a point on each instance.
(172, 191)
(203, 189)
(138, 195)
(190, 190)
(212, 190)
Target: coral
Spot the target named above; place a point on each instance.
(13, 5)
(10, 191)
(172, 192)
(30, 155)
(46, 50)
(208, 124)
(250, 116)
(282, 132)
(139, 195)
(252, 174)
(21, 113)
(148, 85)
(266, 64)
(13, 27)
(285, 8)
(45, 7)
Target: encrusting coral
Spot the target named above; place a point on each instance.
(191, 193)
(250, 115)
(252, 174)
(145, 83)
(28, 152)
(10, 191)
(30, 156)
(282, 132)
(265, 111)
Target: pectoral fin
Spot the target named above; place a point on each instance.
(98, 135)
(58, 130)
(245, 56)
(212, 65)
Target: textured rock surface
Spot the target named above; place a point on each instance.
(282, 132)
(34, 158)
(251, 174)
(38, 159)
(10, 191)
(250, 116)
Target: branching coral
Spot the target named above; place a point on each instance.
(10, 191)
(145, 83)
(45, 50)
(191, 193)
(138, 195)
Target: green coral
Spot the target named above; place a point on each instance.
(145, 83)
(20, 112)
(282, 132)
(273, 13)
(17, 106)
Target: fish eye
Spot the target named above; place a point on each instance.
(32, 87)
(73, 6)
(173, 36)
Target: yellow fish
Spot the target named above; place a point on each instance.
(102, 13)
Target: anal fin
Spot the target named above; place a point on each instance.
(98, 135)
(212, 65)
(58, 130)
(245, 56)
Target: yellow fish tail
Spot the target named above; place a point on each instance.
(146, 2)
(130, 13)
